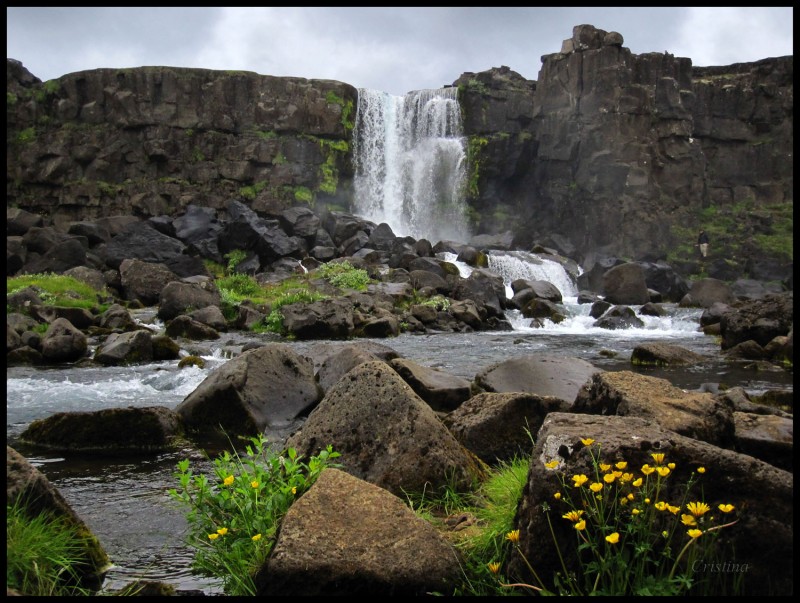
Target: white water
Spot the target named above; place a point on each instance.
(513, 265)
(410, 163)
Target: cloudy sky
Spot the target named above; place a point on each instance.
(394, 50)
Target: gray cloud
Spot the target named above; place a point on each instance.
(394, 49)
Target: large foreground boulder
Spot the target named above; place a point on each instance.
(760, 544)
(348, 537)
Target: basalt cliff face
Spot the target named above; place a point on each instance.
(607, 151)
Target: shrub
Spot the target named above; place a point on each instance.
(234, 518)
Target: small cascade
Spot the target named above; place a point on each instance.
(410, 163)
(513, 265)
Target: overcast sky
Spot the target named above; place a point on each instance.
(394, 50)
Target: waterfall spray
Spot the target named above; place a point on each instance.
(410, 163)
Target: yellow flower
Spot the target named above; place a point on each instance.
(613, 538)
(579, 480)
(673, 510)
(688, 520)
(254, 483)
(294, 490)
(701, 469)
(635, 511)
(581, 525)
(626, 477)
(630, 496)
(647, 501)
(695, 533)
(573, 515)
(494, 567)
(658, 457)
(726, 508)
(596, 487)
(213, 536)
(256, 538)
(513, 536)
(228, 480)
(552, 464)
(665, 533)
(557, 495)
(638, 483)
(671, 466)
(623, 501)
(663, 471)
(604, 467)
(698, 508)
(647, 469)
(609, 478)
(661, 505)
(621, 465)
(587, 441)
(222, 531)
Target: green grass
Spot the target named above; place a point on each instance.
(492, 507)
(344, 275)
(58, 290)
(41, 555)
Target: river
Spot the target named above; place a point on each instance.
(124, 499)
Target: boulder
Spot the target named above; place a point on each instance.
(28, 487)
(386, 434)
(542, 375)
(626, 285)
(691, 414)
(662, 354)
(372, 544)
(111, 430)
(180, 297)
(269, 386)
(500, 427)
(729, 478)
(442, 391)
(62, 342)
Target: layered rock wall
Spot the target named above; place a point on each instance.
(633, 154)
(152, 140)
(608, 151)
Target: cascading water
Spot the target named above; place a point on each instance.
(410, 163)
(513, 265)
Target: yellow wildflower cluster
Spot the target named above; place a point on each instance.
(636, 493)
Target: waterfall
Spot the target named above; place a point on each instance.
(410, 163)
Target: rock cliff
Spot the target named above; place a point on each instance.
(608, 151)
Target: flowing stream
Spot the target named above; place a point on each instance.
(124, 499)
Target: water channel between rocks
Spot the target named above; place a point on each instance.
(124, 500)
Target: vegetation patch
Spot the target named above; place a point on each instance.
(234, 514)
(251, 192)
(42, 554)
(475, 147)
(58, 290)
(344, 275)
